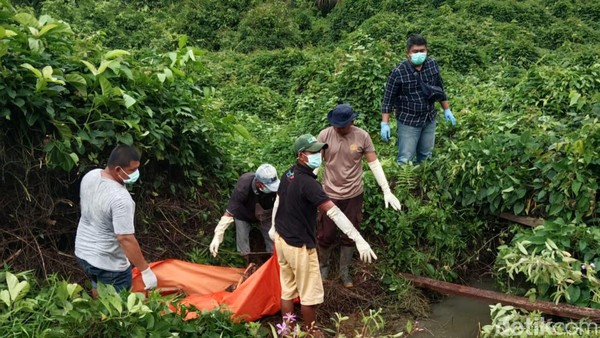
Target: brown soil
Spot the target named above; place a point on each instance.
(355, 303)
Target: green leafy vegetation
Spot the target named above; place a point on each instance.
(210, 89)
(61, 309)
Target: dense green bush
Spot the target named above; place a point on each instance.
(347, 16)
(429, 237)
(268, 26)
(253, 99)
(89, 100)
(121, 25)
(360, 77)
(546, 173)
(524, 13)
(271, 69)
(209, 22)
(391, 27)
(521, 77)
(556, 262)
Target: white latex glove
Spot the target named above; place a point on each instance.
(364, 249)
(219, 232)
(149, 278)
(274, 213)
(388, 197)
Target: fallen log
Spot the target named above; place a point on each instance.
(562, 310)
(530, 221)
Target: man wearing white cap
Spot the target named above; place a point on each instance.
(251, 202)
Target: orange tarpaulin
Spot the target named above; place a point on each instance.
(204, 286)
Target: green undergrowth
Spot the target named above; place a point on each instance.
(211, 89)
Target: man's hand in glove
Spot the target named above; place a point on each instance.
(219, 232)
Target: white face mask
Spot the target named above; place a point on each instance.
(314, 160)
(131, 178)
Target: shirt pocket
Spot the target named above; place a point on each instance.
(431, 77)
(410, 87)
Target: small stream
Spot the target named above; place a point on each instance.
(457, 317)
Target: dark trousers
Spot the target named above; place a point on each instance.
(326, 228)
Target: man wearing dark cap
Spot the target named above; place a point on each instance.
(251, 202)
(342, 181)
(299, 197)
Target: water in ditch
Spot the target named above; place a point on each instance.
(457, 317)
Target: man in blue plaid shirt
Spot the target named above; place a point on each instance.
(411, 91)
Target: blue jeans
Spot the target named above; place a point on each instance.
(419, 140)
(120, 280)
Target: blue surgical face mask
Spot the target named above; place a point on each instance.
(265, 190)
(314, 160)
(417, 59)
(132, 177)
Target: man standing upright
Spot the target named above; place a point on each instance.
(294, 231)
(411, 91)
(105, 243)
(342, 181)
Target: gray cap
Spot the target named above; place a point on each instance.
(267, 175)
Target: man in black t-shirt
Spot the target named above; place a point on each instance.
(251, 202)
(299, 197)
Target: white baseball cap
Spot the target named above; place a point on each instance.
(267, 175)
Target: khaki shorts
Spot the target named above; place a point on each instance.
(299, 273)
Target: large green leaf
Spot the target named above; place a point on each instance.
(64, 130)
(74, 158)
(5, 297)
(125, 138)
(573, 293)
(182, 41)
(91, 67)
(46, 29)
(115, 53)
(77, 81)
(243, 131)
(105, 85)
(129, 101)
(575, 186)
(103, 65)
(518, 207)
(26, 19)
(35, 71)
(16, 289)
